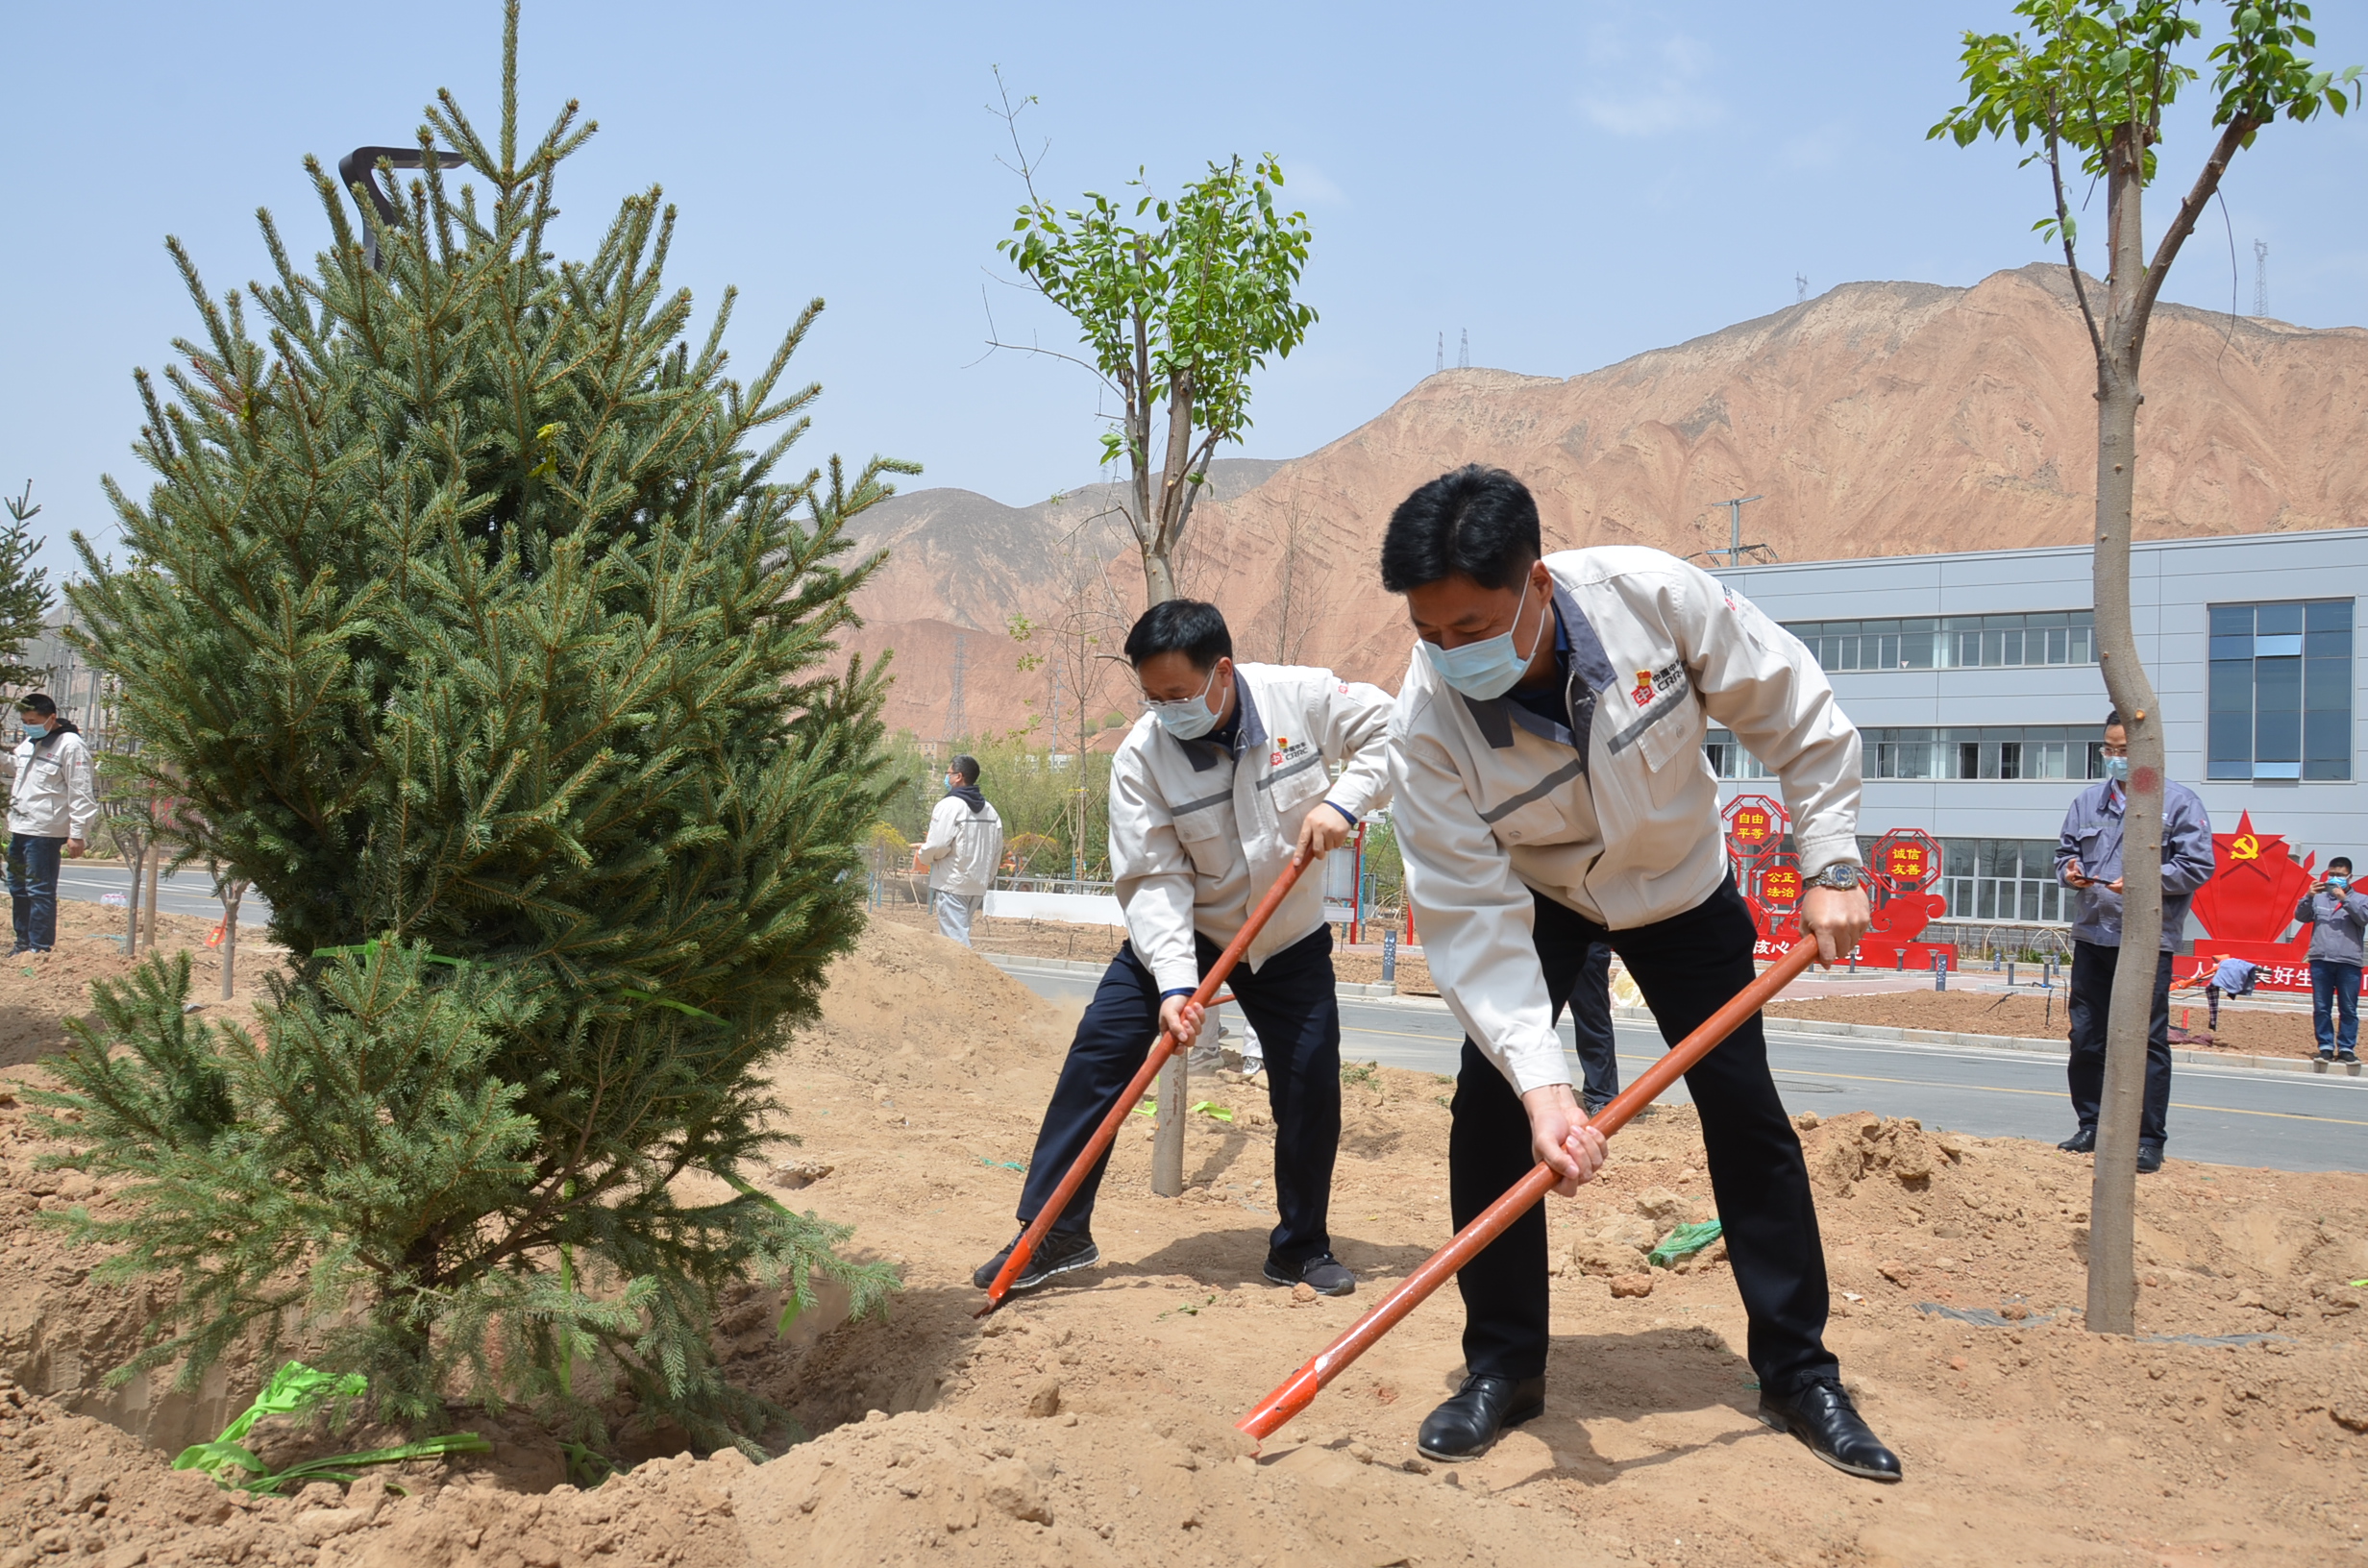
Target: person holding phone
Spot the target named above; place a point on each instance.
(2088, 861)
(2338, 915)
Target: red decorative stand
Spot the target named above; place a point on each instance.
(1907, 866)
(1771, 880)
(2247, 906)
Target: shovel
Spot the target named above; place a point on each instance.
(1301, 1391)
(1030, 1238)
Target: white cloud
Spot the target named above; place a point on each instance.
(1654, 91)
(1821, 148)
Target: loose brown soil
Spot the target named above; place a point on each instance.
(1092, 1423)
(2242, 1032)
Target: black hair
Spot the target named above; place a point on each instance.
(1180, 626)
(965, 769)
(1479, 523)
(2112, 720)
(37, 702)
(2344, 861)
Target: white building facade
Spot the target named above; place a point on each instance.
(1974, 680)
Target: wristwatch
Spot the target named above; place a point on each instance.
(1841, 876)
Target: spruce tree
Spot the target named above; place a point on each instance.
(25, 596)
(478, 629)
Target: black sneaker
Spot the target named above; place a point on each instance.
(1056, 1254)
(2324, 1056)
(2350, 1058)
(1323, 1273)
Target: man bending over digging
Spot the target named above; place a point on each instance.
(1218, 786)
(1552, 793)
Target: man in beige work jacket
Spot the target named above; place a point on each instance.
(1216, 787)
(1552, 793)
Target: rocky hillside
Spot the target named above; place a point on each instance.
(1879, 419)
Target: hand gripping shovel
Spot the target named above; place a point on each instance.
(1301, 1391)
(1024, 1248)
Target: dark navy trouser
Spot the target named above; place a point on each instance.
(1590, 988)
(2091, 999)
(1687, 966)
(33, 890)
(1291, 1002)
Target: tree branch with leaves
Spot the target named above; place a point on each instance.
(1179, 300)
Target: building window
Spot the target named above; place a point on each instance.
(2003, 880)
(1954, 642)
(2000, 752)
(1728, 758)
(2281, 693)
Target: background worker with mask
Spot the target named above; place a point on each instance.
(1225, 778)
(2088, 861)
(53, 808)
(1552, 793)
(2339, 918)
(964, 847)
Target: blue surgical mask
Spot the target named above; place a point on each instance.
(2339, 883)
(1488, 668)
(2117, 769)
(34, 732)
(1191, 718)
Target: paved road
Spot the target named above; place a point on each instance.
(2287, 1122)
(186, 892)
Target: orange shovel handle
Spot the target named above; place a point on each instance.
(1164, 1048)
(1297, 1394)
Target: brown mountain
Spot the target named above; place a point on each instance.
(1879, 419)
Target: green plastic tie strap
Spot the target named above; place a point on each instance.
(297, 1389)
(1683, 1243)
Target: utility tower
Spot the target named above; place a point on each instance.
(1736, 547)
(1463, 355)
(957, 723)
(1800, 288)
(2260, 278)
(1438, 361)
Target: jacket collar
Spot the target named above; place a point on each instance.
(1248, 736)
(1590, 672)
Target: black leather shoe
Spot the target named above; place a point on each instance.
(2149, 1157)
(1464, 1426)
(1821, 1415)
(1056, 1254)
(2084, 1142)
(1323, 1274)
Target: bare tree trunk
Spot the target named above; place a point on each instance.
(232, 893)
(2112, 1282)
(156, 873)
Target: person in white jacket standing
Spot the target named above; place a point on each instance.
(1552, 793)
(964, 847)
(1215, 791)
(53, 809)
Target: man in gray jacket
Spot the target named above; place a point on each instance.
(2336, 916)
(2088, 861)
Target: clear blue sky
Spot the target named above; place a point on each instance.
(1571, 183)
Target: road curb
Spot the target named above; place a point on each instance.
(2019, 1042)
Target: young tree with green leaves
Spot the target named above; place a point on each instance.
(2089, 84)
(25, 596)
(473, 616)
(1179, 300)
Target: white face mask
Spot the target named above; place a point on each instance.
(1189, 719)
(1490, 667)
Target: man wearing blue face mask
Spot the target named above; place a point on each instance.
(2338, 915)
(1552, 796)
(2088, 861)
(1227, 776)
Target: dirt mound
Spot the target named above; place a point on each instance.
(1090, 1423)
(39, 993)
(2243, 1031)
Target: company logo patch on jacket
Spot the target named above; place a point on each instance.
(1286, 749)
(1651, 683)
